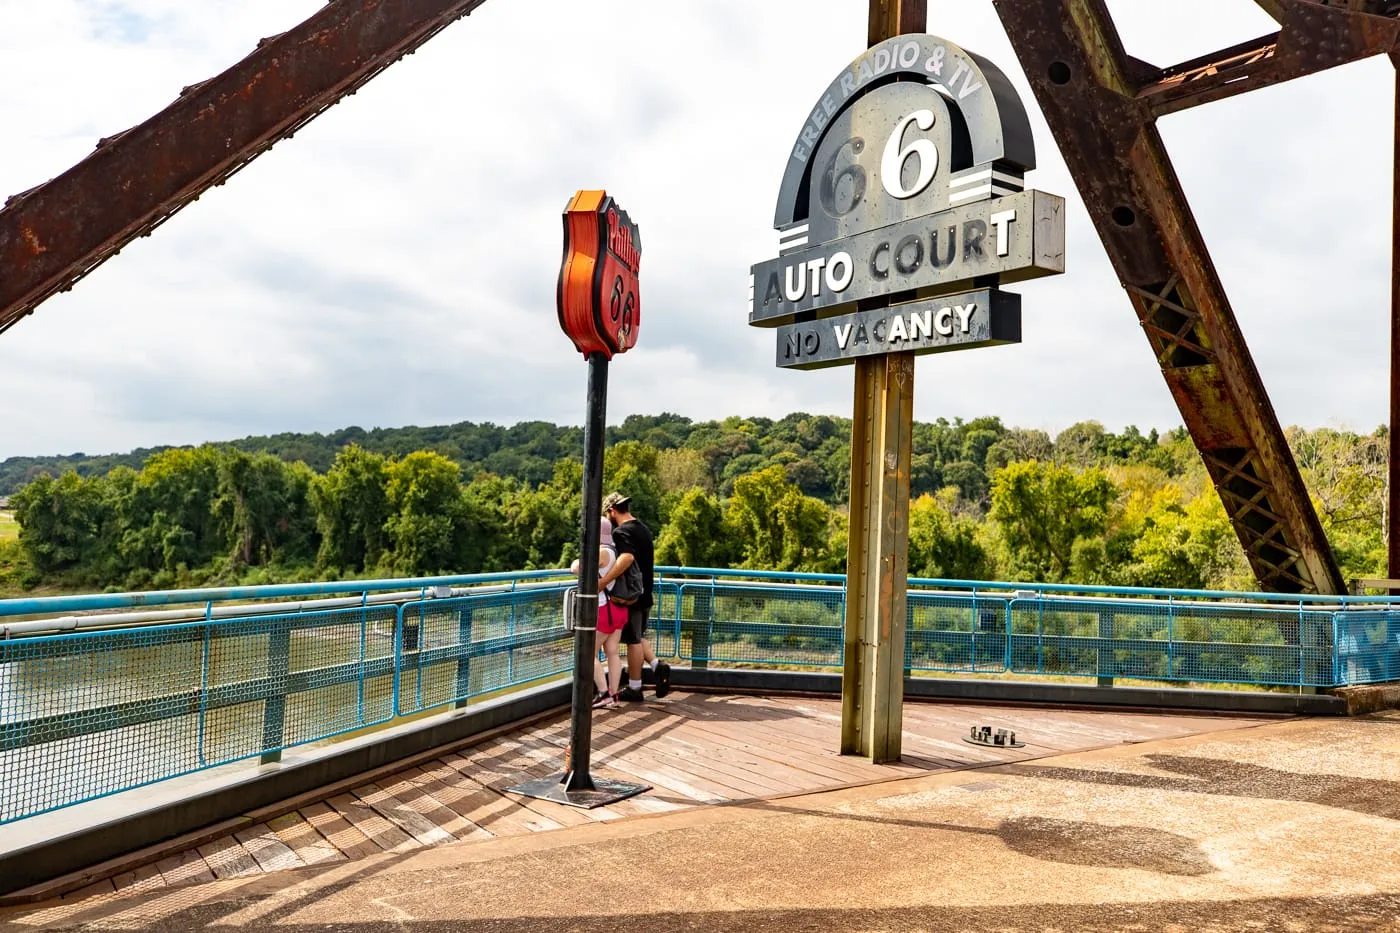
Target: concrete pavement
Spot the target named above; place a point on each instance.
(1288, 826)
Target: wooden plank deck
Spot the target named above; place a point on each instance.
(695, 749)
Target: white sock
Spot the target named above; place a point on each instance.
(635, 685)
(654, 662)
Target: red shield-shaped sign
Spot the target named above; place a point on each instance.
(600, 304)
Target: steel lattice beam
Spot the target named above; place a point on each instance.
(1312, 37)
(53, 235)
(1101, 106)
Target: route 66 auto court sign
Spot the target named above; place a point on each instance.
(903, 210)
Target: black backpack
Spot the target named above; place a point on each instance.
(628, 588)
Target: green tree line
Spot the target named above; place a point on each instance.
(989, 502)
(814, 450)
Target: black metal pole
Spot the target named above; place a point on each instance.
(576, 776)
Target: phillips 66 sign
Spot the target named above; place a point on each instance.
(599, 299)
(902, 210)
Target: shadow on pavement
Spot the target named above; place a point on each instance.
(1071, 842)
(1238, 779)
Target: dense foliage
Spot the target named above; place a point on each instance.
(989, 501)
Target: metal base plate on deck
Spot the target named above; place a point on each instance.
(604, 791)
(1001, 738)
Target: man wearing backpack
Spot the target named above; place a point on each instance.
(633, 541)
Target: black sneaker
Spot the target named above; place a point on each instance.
(663, 679)
(628, 695)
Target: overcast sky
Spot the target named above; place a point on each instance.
(395, 263)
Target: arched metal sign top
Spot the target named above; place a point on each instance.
(989, 111)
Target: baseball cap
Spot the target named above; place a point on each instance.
(616, 500)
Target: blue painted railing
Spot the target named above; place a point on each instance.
(180, 681)
(55, 605)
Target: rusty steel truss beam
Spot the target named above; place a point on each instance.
(54, 234)
(1312, 37)
(1089, 91)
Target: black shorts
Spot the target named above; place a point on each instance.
(636, 628)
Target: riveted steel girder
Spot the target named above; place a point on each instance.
(1088, 89)
(1312, 37)
(54, 234)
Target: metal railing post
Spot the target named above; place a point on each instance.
(464, 646)
(676, 620)
(1006, 658)
(1336, 650)
(1392, 643)
(1040, 633)
(398, 661)
(279, 656)
(702, 625)
(204, 689)
(908, 663)
(1105, 656)
(1171, 639)
(510, 653)
(418, 656)
(364, 639)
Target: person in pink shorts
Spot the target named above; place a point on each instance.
(612, 618)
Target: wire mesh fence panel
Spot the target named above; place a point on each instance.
(85, 715)
(1255, 645)
(1171, 641)
(1368, 646)
(340, 675)
(454, 649)
(695, 618)
(663, 628)
(754, 624)
(1051, 639)
(278, 681)
(948, 632)
(1132, 639)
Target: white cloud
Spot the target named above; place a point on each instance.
(395, 263)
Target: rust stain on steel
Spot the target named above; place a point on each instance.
(1204, 399)
(1312, 37)
(1101, 105)
(54, 234)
